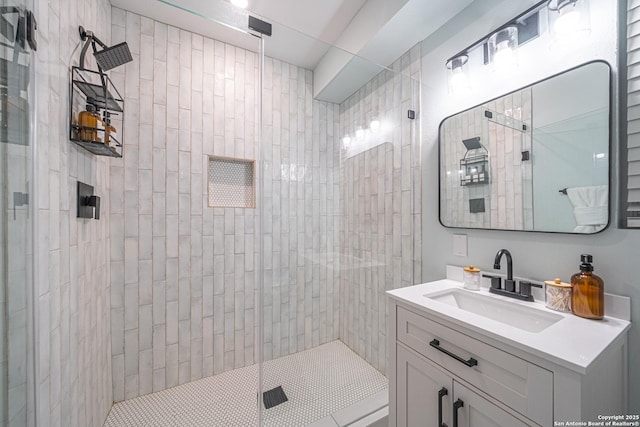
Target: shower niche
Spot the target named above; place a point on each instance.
(96, 113)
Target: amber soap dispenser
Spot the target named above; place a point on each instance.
(587, 291)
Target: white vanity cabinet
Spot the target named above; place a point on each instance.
(426, 395)
(443, 371)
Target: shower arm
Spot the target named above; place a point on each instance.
(90, 39)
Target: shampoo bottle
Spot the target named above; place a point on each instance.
(110, 131)
(587, 291)
(88, 120)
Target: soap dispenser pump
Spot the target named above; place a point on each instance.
(587, 291)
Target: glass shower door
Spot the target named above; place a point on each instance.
(339, 227)
(16, 218)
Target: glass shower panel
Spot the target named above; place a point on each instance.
(16, 220)
(340, 226)
(218, 321)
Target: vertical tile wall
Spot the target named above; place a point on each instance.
(72, 283)
(509, 194)
(183, 275)
(380, 229)
(301, 208)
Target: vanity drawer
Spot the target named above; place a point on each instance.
(523, 386)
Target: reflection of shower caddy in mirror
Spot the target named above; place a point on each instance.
(96, 108)
(474, 166)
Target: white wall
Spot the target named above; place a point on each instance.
(536, 255)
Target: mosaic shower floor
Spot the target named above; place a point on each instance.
(318, 383)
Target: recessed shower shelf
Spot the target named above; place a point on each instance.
(89, 87)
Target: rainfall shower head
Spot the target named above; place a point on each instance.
(108, 57)
(113, 56)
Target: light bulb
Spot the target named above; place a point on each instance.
(374, 125)
(458, 79)
(567, 22)
(346, 140)
(242, 4)
(504, 59)
(359, 133)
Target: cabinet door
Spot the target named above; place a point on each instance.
(476, 411)
(419, 385)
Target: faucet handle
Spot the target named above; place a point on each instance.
(525, 287)
(495, 281)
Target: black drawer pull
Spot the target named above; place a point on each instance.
(436, 344)
(457, 405)
(442, 393)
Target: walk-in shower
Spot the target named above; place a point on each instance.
(284, 301)
(185, 305)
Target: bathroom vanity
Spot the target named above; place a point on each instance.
(465, 358)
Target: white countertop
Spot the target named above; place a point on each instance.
(572, 342)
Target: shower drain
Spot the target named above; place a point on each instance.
(274, 397)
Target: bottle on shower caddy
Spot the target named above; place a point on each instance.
(111, 135)
(88, 121)
(91, 124)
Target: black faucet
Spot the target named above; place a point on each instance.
(509, 289)
(509, 284)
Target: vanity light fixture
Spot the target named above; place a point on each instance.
(568, 19)
(499, 47)
(458, 74)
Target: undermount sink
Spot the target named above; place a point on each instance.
(517, 315)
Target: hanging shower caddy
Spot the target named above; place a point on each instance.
(474, 166)
(92, 92)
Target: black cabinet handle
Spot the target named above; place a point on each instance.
(442, 393)
(456, 405)
(470, 363)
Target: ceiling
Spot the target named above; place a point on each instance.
(345, 42)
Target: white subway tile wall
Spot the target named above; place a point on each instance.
(73, 273)
(184, 283)
(380, 195)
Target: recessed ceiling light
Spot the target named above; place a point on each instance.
(242, 4)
